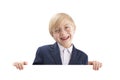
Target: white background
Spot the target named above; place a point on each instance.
(24, 27)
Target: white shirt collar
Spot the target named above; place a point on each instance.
(62, 48)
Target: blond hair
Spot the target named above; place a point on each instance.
(57, 19)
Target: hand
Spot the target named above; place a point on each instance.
(96, 64)
(19, 65)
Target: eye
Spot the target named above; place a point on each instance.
(67, 27)
(57, 31)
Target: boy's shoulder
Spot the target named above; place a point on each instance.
(47, 46)
(80, 51)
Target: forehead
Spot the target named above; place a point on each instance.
(64, 22)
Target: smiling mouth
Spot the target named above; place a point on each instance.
(65, 38)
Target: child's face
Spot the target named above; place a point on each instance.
(63, 33)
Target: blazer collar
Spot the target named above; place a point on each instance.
(55, 52)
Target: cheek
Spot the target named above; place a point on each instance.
(55, 36)
(71, 32)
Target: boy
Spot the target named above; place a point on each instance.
(63, 51)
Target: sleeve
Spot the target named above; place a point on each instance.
(86, 60)
(38, 57)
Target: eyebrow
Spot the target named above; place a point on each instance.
(69, 25)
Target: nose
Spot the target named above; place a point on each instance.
(63, 32)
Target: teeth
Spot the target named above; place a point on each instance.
(64, 38)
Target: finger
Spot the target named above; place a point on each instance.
(25, 63)
(16, 64)
(95, 65)
(20, 66)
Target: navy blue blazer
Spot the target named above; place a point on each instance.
(50, 55)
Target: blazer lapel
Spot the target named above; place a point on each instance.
(74, 56)
(55, 52)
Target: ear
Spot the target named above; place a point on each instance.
(74, 29)
(52, 34)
